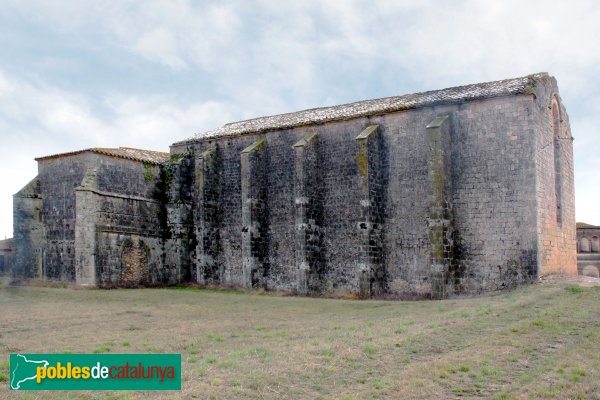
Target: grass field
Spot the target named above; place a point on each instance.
(541, 341)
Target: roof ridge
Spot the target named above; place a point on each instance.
(128, 153)
(455, 94)
(138, 149)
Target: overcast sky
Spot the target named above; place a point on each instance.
(79, 74)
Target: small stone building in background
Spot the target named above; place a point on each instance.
(449, 192)
(5, 256)
(588, 249)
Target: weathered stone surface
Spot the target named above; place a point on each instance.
(308, 202)
(481, 231)
(458, 191)
(440, 222)
(29, 235)
(207, 217)
(255, 218)
(73, 222)
(370, 217)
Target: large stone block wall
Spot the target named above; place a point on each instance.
(126, 177)
(82, 213)
(29, 232)
(373, 200)
(120, 225)
(255, 215)
(434, 201)
(308, 205)
(119, 242)
(176, 218)
(58, 180)
(494, 195)
(440, 220)
(556, 227)
(207, 217)
(370, 224)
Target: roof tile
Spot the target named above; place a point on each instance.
(147, 156)
(452, 95)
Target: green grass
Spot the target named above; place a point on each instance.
(210, 360)
(369, 349)
(104, 348)
(574, 289)
(216, 338)
(535, 342)
(377, 384)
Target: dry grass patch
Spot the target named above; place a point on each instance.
(536, 342)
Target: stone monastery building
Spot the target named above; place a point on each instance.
(455, 191)
(588, 250)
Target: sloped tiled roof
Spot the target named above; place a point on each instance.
(583, 225)
(146, 156)
(459, 94)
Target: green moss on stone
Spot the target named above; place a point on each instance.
(259, 145)
(362, 159)
(161, 194)
(148, 176)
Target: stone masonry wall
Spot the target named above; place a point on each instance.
(372, 205)
(118, 231)
(494, 195)
(178, 235)
(446, 198)
(84, 216)
(207, 217)
(58, 179)
(555, 182)
(29, 232)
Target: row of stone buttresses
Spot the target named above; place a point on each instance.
(371, 279)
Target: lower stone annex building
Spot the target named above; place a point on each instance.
(456, 191)
(588, 249)
(5, 257)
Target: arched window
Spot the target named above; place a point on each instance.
(584, 245)
(595, 244)
(557, 162)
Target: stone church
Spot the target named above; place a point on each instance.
(429, 195)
